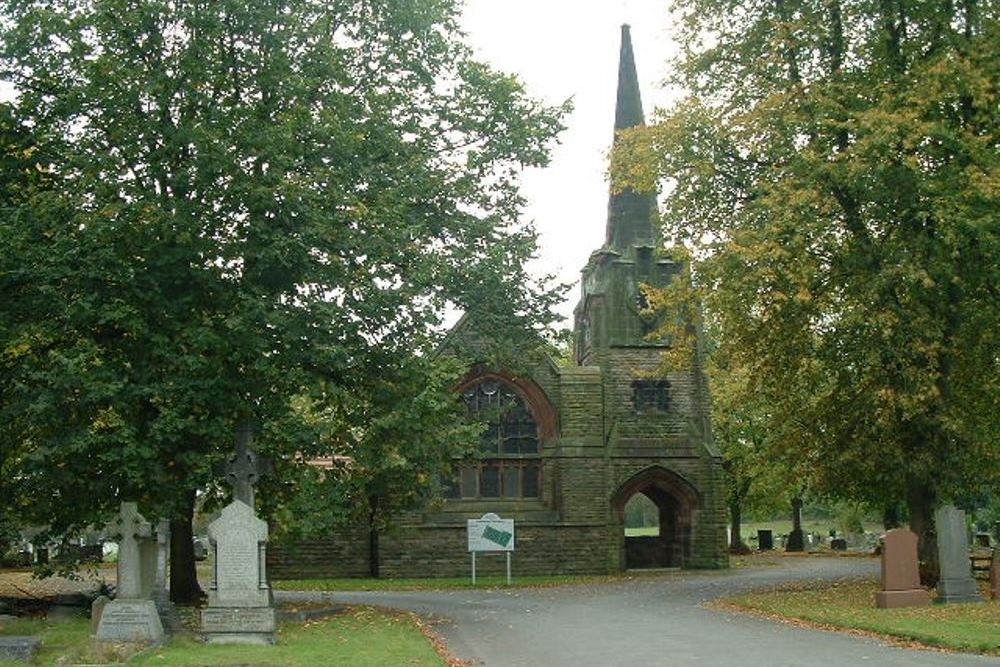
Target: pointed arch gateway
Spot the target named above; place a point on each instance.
(677, 501)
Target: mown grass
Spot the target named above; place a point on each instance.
(360, 637)
(851, 605)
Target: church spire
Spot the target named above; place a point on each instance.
(630, 214)
(628, 110)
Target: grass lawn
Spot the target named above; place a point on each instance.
(963, 627)
(360, 637)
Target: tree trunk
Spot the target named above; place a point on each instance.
(373, 556)
(736, 544)
(184, 588)
(920, 500)
(890, 516)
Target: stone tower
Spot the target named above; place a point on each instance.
(657, 434)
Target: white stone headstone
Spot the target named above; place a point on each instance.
(239, 600)
(240, 579)
(132, 615)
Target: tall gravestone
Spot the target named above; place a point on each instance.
(161, 591)
(956, 583)
(765, 540)
(239, 598)
(900, 572)
(132, 615)
(796, 538)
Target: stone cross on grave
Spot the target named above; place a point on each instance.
(130, 527)
(245, 467)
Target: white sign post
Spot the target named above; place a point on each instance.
(490, 533)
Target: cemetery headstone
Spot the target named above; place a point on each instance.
(983, 540)
(132, 615)
(838, 544)
(161, 593)
(956, 583)
(16, 648)
(765, 540)
(900, 572)
(796, 539)
(995, 575)
(239, 598)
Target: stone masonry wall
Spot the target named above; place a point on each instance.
(440, 551)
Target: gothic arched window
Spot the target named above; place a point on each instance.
(507, 464)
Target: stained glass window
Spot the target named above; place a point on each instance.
(508, 465)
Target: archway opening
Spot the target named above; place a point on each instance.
(655, 509)
(657, 545)
(642, 517)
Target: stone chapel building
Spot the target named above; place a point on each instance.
(575, 443)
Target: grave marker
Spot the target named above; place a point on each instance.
(900, 572)
(239, 599)
(765, 540)
(132, 615)
(956, 583)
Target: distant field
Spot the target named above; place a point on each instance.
(821, 526)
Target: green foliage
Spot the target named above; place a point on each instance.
(244, 203)
(833, 177)
(389, 443)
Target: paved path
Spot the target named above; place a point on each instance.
(646, 622)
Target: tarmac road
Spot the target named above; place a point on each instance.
(646, 622)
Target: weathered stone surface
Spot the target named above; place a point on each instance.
(239, 577)
(16, 648)
(96, 611)
(130, 620)
(131, 528)
(900, 572)
(132, 616)
(956, 583)
(239, 599)
(247, 619)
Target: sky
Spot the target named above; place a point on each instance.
(569, 49)
(564, 49)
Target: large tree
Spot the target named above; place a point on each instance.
(834, 170)
(248, 198)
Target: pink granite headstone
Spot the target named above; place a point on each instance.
(900, 572)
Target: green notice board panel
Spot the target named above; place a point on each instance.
(491, 533)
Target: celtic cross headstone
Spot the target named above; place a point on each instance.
(132, 615)
(239, 599)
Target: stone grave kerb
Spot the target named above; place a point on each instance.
(239, 577)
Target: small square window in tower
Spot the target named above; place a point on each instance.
(650, 396)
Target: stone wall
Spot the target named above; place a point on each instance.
(440, 551)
